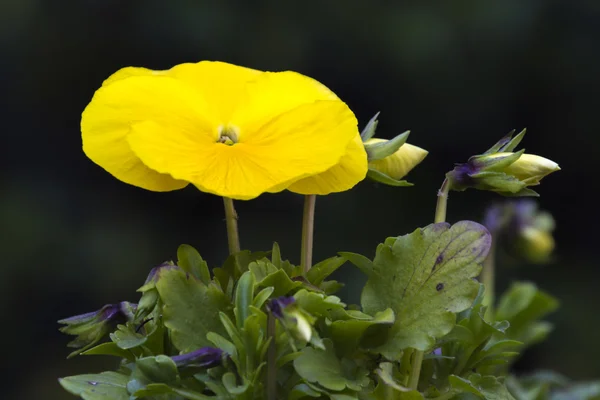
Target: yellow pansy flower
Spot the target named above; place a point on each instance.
(228, 130)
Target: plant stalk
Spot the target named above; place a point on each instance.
(271, 358)
(442, 202)
(440, 216)
(488, 278)
(233, 238)
(308, 229)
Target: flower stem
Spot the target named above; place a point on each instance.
(308, 229)
(442, 202)
(440, 216)
(233, 238)
(271, 359)
(488, 278)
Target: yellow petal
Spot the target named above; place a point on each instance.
(275, 93)
(351, 169)
(289, 147)
(223, 85)
(399, 164)
(531, 168)
(117, 106)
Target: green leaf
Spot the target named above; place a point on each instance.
(190, 261)
(319, 272)
(160, 389)
(126, 337)
(110, 349)
(262, 297)
(360, 261)
(159, 369)
(103, 386)
(486, 387)
(267, 275)
(317, 304)
(244, 294)
(426, 277)
(323, 367)
(522, 306)
(348, 334)
(190, 309)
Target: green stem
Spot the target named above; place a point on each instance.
(440, 216)
(415, 374)
(233, 238)
(442, 202)
(488, 278)
(271, 359)
(308, 229)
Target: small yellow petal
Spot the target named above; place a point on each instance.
(399, 164)
(351, 169)
(531, 168)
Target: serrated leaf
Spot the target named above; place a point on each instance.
(103, 386)
(190, 309)
(126, 338)
(190, 261)
(426, 277)
(267, 275)
(323, 367)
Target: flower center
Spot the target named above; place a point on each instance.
(228, 135)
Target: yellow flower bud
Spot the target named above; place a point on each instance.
(401, 162)
(535, 244)
(528, 168)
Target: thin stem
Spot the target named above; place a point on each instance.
(308, 229)
(442, 202)
(488, 278)
(440, 216)
(271, 359)
(233, 238)
(413, 381)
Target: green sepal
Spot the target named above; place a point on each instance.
(512, 145)
(109, 349)
(381, 150)
(385, 179)
(369, 131)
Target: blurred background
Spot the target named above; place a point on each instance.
(458, 74)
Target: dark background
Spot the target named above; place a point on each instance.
(459, 74)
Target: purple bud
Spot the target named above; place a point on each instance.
(155, 272)
(276, 306)
(205, 357)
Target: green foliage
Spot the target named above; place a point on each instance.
(425, 277)
(196, 335)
